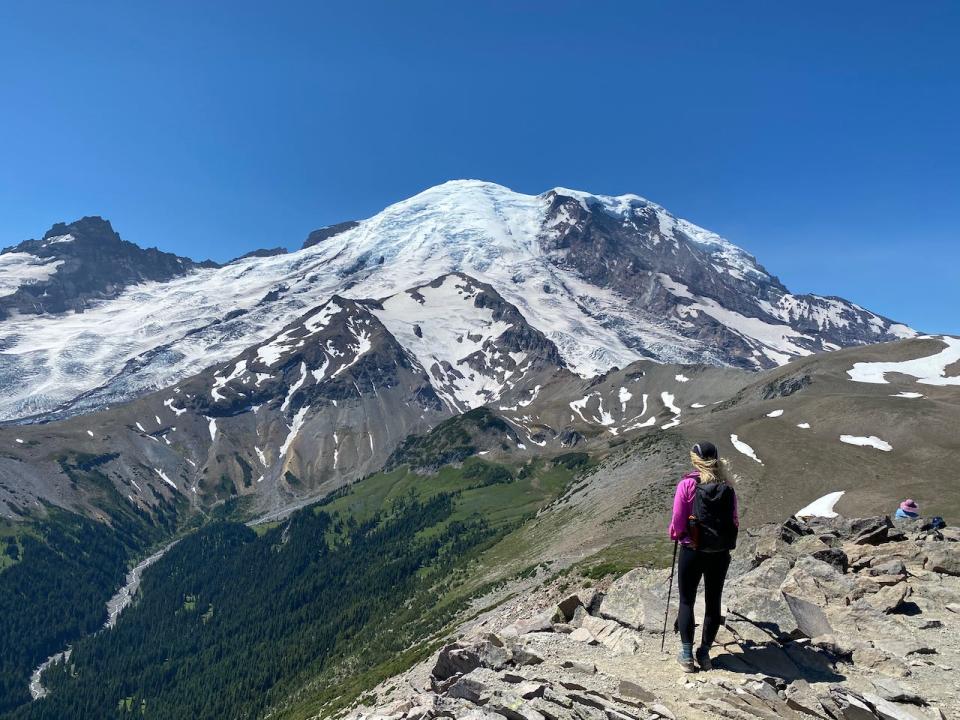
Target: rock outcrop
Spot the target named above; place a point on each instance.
(833, 619)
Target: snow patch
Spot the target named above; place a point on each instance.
(870, 441)
(774, 413)
(164, 477)
(298, 420)
(821, 507)
(745, 449)
(929, 370)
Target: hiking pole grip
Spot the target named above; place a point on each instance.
(666, 613)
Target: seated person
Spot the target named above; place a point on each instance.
(908, 510)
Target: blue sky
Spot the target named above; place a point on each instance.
(820, 136)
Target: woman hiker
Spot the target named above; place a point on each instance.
(908, 510)
(705, 524)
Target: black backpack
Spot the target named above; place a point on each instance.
(712, 528)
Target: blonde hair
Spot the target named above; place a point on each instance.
(714, 470)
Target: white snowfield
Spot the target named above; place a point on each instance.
(871, 441)
(929, 370)
(451, 328)
(19, 268)
(821, 507)
(155, 334)
(774, 413)
(745, 449)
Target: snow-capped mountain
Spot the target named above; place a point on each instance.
(76, 265)
(606, 280)
(322, 402)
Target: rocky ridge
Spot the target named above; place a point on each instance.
(838, 619)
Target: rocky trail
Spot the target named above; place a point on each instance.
(837, 619)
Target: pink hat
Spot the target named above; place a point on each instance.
(909, 506)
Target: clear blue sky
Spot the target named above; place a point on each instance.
(821, 136)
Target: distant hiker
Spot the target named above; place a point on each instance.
(908, 510)
(705, 524)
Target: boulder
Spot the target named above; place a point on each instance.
(895, 692)
(476, 686)
(759, 615)
(636, 600)
(567, 607)
(890, 567)
(513, 707)
(583, 635)
(492, 653)
(663, 711)
(767, 576)
(870, 531)
(802, 698)
(886, 710)
(882, 662)
(818, 582)
(850, 705)
(522, 655)
(889, 598)
(454, 659)
(944, 561)
(538, 623)
(793, 529)
(632, 690)
(833, 556)
(810, 618)
(581, 667)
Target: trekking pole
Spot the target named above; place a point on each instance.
(666, 613)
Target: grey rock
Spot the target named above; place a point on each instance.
(818, 582)
(663, 711)
(530, 690)
(454, 659)
(850, 705)
(513, 707)
(583, 635)
(580, 667)
(810, 618)
(871, 531)
(635, 601)
(472, 687)
(890, 567)
(568, 606)
(539, 623)
(893, 691)
(886, 710)
(493, 655)
(833, 556)
(943, 561)
(889, 598)
(632, 690)
(522, 655)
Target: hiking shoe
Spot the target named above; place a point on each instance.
(703, 659)
(686, 661)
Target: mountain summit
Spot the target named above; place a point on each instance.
(607, 280)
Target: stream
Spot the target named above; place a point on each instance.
(115, 605)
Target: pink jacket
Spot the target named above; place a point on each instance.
(683, 507)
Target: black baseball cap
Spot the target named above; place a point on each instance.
(705, 450)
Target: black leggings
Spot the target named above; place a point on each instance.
(712, 567)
